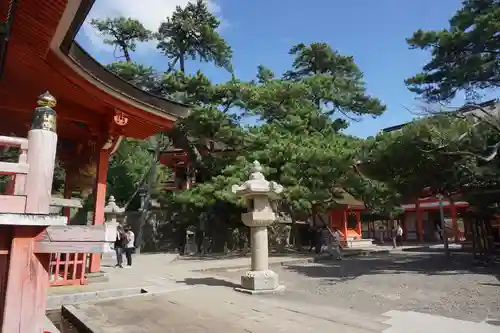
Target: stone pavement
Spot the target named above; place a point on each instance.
(159, 270)
(218, 308)
(155, 269)
(415, 322)
(188, 297)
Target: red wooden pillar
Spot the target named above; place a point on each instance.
(344, 224)
(420, 229)
(403, 225)
(99, 203)
(359, 228)
(453, 212)
(24, 300)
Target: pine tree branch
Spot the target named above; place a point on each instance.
(487, 158)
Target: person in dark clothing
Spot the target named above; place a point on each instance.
(318, 240)
(312, 238)
(439, 230)
(120, 243)
(182, 234)
(199, 237)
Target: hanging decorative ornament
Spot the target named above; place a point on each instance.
(120, 118)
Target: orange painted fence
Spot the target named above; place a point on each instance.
(68, 269)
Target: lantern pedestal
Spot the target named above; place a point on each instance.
(257, 191)
(260, 282)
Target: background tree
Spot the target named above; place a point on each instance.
(335, 81)
(436, 154)
(191, 32)
(122, 33)
(290, 124)
(465, 56)
(141, 76)
(412, 159)
(294, 138)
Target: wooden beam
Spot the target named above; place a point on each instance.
(79, 233)
(29, 219)
(68, 203)
(67, 110)
(8, 168)
(72, 247)
(11, 204)
(76, 239)
(9, 141)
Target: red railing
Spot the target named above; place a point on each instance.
(68, 269)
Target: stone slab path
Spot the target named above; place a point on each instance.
(218, 308)
(211, 309)
(188, 297)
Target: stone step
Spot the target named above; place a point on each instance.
(360, 243)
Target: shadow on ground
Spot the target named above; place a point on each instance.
(431, 249)
(493, 322)
(238, 254)
(422, 263)
(209, 281)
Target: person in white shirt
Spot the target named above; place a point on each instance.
(399, 235)
(129, 246)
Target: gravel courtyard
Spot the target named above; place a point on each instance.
(423, 282)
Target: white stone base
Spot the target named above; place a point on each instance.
(360, 243)
(260, 282)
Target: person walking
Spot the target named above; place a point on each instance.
(334, 244)
(318, 241)
(129, 247)
(311, 234)
(399, 235)
(394, 237)
(325, 238)
(182, 238)
(120, 242)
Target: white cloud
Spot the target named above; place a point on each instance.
(149, 12)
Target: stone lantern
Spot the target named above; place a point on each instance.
(111, 210)
(257, 192)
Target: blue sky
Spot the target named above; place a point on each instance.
(262, 32)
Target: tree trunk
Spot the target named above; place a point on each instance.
(296, 241)
(126, 53)
(182, 63)
(147, 198)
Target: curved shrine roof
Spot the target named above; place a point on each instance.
(42, 55)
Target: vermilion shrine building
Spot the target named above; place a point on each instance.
(419, 221)
(421, 216)
(96, 109)
(347, 218)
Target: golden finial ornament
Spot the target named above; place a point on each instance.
(46, 99)
(45, 117)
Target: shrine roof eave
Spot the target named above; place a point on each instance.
(108, 79)
(65, 47)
